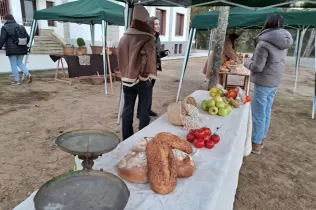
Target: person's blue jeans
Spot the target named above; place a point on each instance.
(17, 61)
(261, 105)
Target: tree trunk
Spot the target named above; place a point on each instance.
(309, 47)
(218, 46)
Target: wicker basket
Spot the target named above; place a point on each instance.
(97, 79)
(82, 51)
(69, 51)
(96, 50)
(190, 100)
(113, 50)
(176, 113)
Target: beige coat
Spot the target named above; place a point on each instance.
(228, 53)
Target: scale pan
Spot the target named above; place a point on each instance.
(80, 142)
(83, 190)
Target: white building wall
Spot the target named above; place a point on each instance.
(114, 32)
(43, 24)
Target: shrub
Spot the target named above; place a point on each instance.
(81, 43)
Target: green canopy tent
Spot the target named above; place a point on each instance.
(244, 18)
(249, 4)
(84, 12)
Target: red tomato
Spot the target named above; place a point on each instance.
(209, 144)
(207, 131)
(190, 137)
(215, 138)
(248, 99)
(199, 143)
(231, 94)
(200, 134)
(192, 131)
(207, 138)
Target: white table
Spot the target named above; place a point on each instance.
(214, 184)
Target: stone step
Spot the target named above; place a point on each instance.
(51, 52)
(43, 38)
(48, 45)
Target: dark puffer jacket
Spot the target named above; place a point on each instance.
(160, 53)
(7, 32)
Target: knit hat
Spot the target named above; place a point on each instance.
(140, 13)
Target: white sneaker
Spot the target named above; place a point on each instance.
(15, 83)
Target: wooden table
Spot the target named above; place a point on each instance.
(223, 77)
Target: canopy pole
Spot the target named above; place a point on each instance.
(314, 98)
(296, 42)
(186, 59)
(128, 19)
(298, 58)
(104, 51)
(315, 50)
(92, 30)
(30, 44)
(210, 45)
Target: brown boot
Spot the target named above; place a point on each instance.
(256, 148)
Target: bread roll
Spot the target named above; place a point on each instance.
(133, 168)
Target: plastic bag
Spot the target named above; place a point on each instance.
(241, 95)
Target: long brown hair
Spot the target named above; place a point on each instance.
(151, 23)
(273, 21)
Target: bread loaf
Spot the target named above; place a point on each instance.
(184, 163)
(162, 169)
(140, 146)
(133, 168)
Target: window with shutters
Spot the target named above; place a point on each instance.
(161, 15)
(179, 24)
(48, 5)
(4, 8)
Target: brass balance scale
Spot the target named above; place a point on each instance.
(84, 189)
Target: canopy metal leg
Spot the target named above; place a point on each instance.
(298, 58)
(128, 19)
(186, 59)
(314, 98)
(210, 45)
(30, 44)
(105, 62)
(296, 42)
(92, 31)
(315, 50)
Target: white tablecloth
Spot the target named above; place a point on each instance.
(214, 184)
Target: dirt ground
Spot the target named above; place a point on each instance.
(33, 115)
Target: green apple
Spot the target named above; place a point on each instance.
(220, 104)
(210, 103)
(222, 112)
(213, 110)
(218, 99)
(228, 108)
(204, 105)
